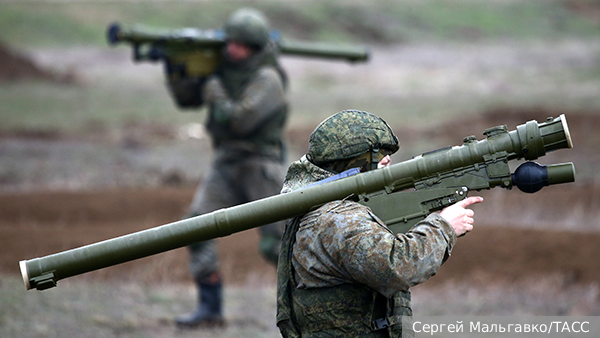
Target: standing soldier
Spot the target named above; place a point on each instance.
(342, 272)
(247, 109)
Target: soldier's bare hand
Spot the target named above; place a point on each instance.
(459, 216)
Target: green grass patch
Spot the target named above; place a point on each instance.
(35, 23)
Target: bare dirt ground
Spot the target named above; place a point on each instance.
(18, 67)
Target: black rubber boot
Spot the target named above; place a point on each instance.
(209, 312)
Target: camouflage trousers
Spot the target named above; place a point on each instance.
(229, 183)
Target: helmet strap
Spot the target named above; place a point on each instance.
(374, 158)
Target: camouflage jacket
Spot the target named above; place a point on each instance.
(247, 106)
(343, 243)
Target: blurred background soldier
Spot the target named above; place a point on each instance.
(247, 110)
(342, 272)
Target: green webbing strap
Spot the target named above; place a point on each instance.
(285, 280)
(374, 158)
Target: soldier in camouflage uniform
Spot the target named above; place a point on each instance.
(247, 109)
(342, 272)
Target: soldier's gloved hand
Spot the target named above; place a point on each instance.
(459, 217)
(214, 90)
(222, 112)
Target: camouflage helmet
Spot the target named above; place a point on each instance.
(249, 26)
(348, 134)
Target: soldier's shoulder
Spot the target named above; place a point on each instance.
(344, 206)
(347, 214)
(268, 71)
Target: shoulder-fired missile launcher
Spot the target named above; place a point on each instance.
(400, 194)
(190, 55)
